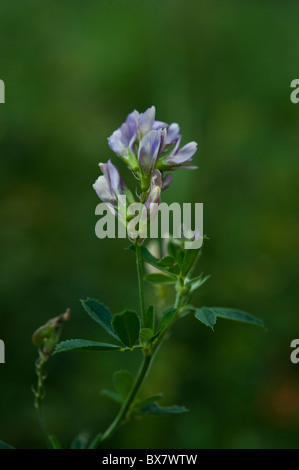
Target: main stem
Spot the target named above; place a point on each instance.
(147, 357)
(140, 281)
(127, 403)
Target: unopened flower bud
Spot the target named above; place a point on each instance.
(47, 336)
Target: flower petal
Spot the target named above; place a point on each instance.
(146, 120)
(182, 155)
(125, 137)
(167, 181)
(149, 150)
(159, 125)
(172, 134)
(113, 178)
(130, 129)
(115, 142)
(154, 194)
(102, 189)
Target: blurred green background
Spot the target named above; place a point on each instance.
(222, 70)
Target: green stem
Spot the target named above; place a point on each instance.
(127, 403)
(147, 358)
(179, 304)
(39, 395)
(140, 281)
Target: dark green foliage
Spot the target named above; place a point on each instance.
(100, 314)
(84, 345)
(127, 327)
(206, 316)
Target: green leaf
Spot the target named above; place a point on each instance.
(155, 409)
(146, 334)
(149, 319)
(196, 282)
(127, 326)
(100, 314)
(174, 247)
(79, 442)
(147, 401)
(157, 278)
(123, 382)
(84, 345)
(170, 263)
(190, 258)
(55, 444)
(112, 395)
(174, 270)
(167, 317)
(3, 445)
(237, 315)
(167, 261)
(180, 258)
(148, 257)
(206, 316)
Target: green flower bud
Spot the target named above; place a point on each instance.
(47, 336)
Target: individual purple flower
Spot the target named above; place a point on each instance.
(123, 139)
(149, 150)
(146, 120)
(179, 157)
(171, 159)
(110, 186)
(153, 199)
(172, 136)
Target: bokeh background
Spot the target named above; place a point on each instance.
(73, 71)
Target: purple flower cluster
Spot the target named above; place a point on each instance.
(150, 148)
(144, 143)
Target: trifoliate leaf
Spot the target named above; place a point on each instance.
(100, 314)
(127, 327)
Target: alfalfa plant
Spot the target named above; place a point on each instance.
(151, 150)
